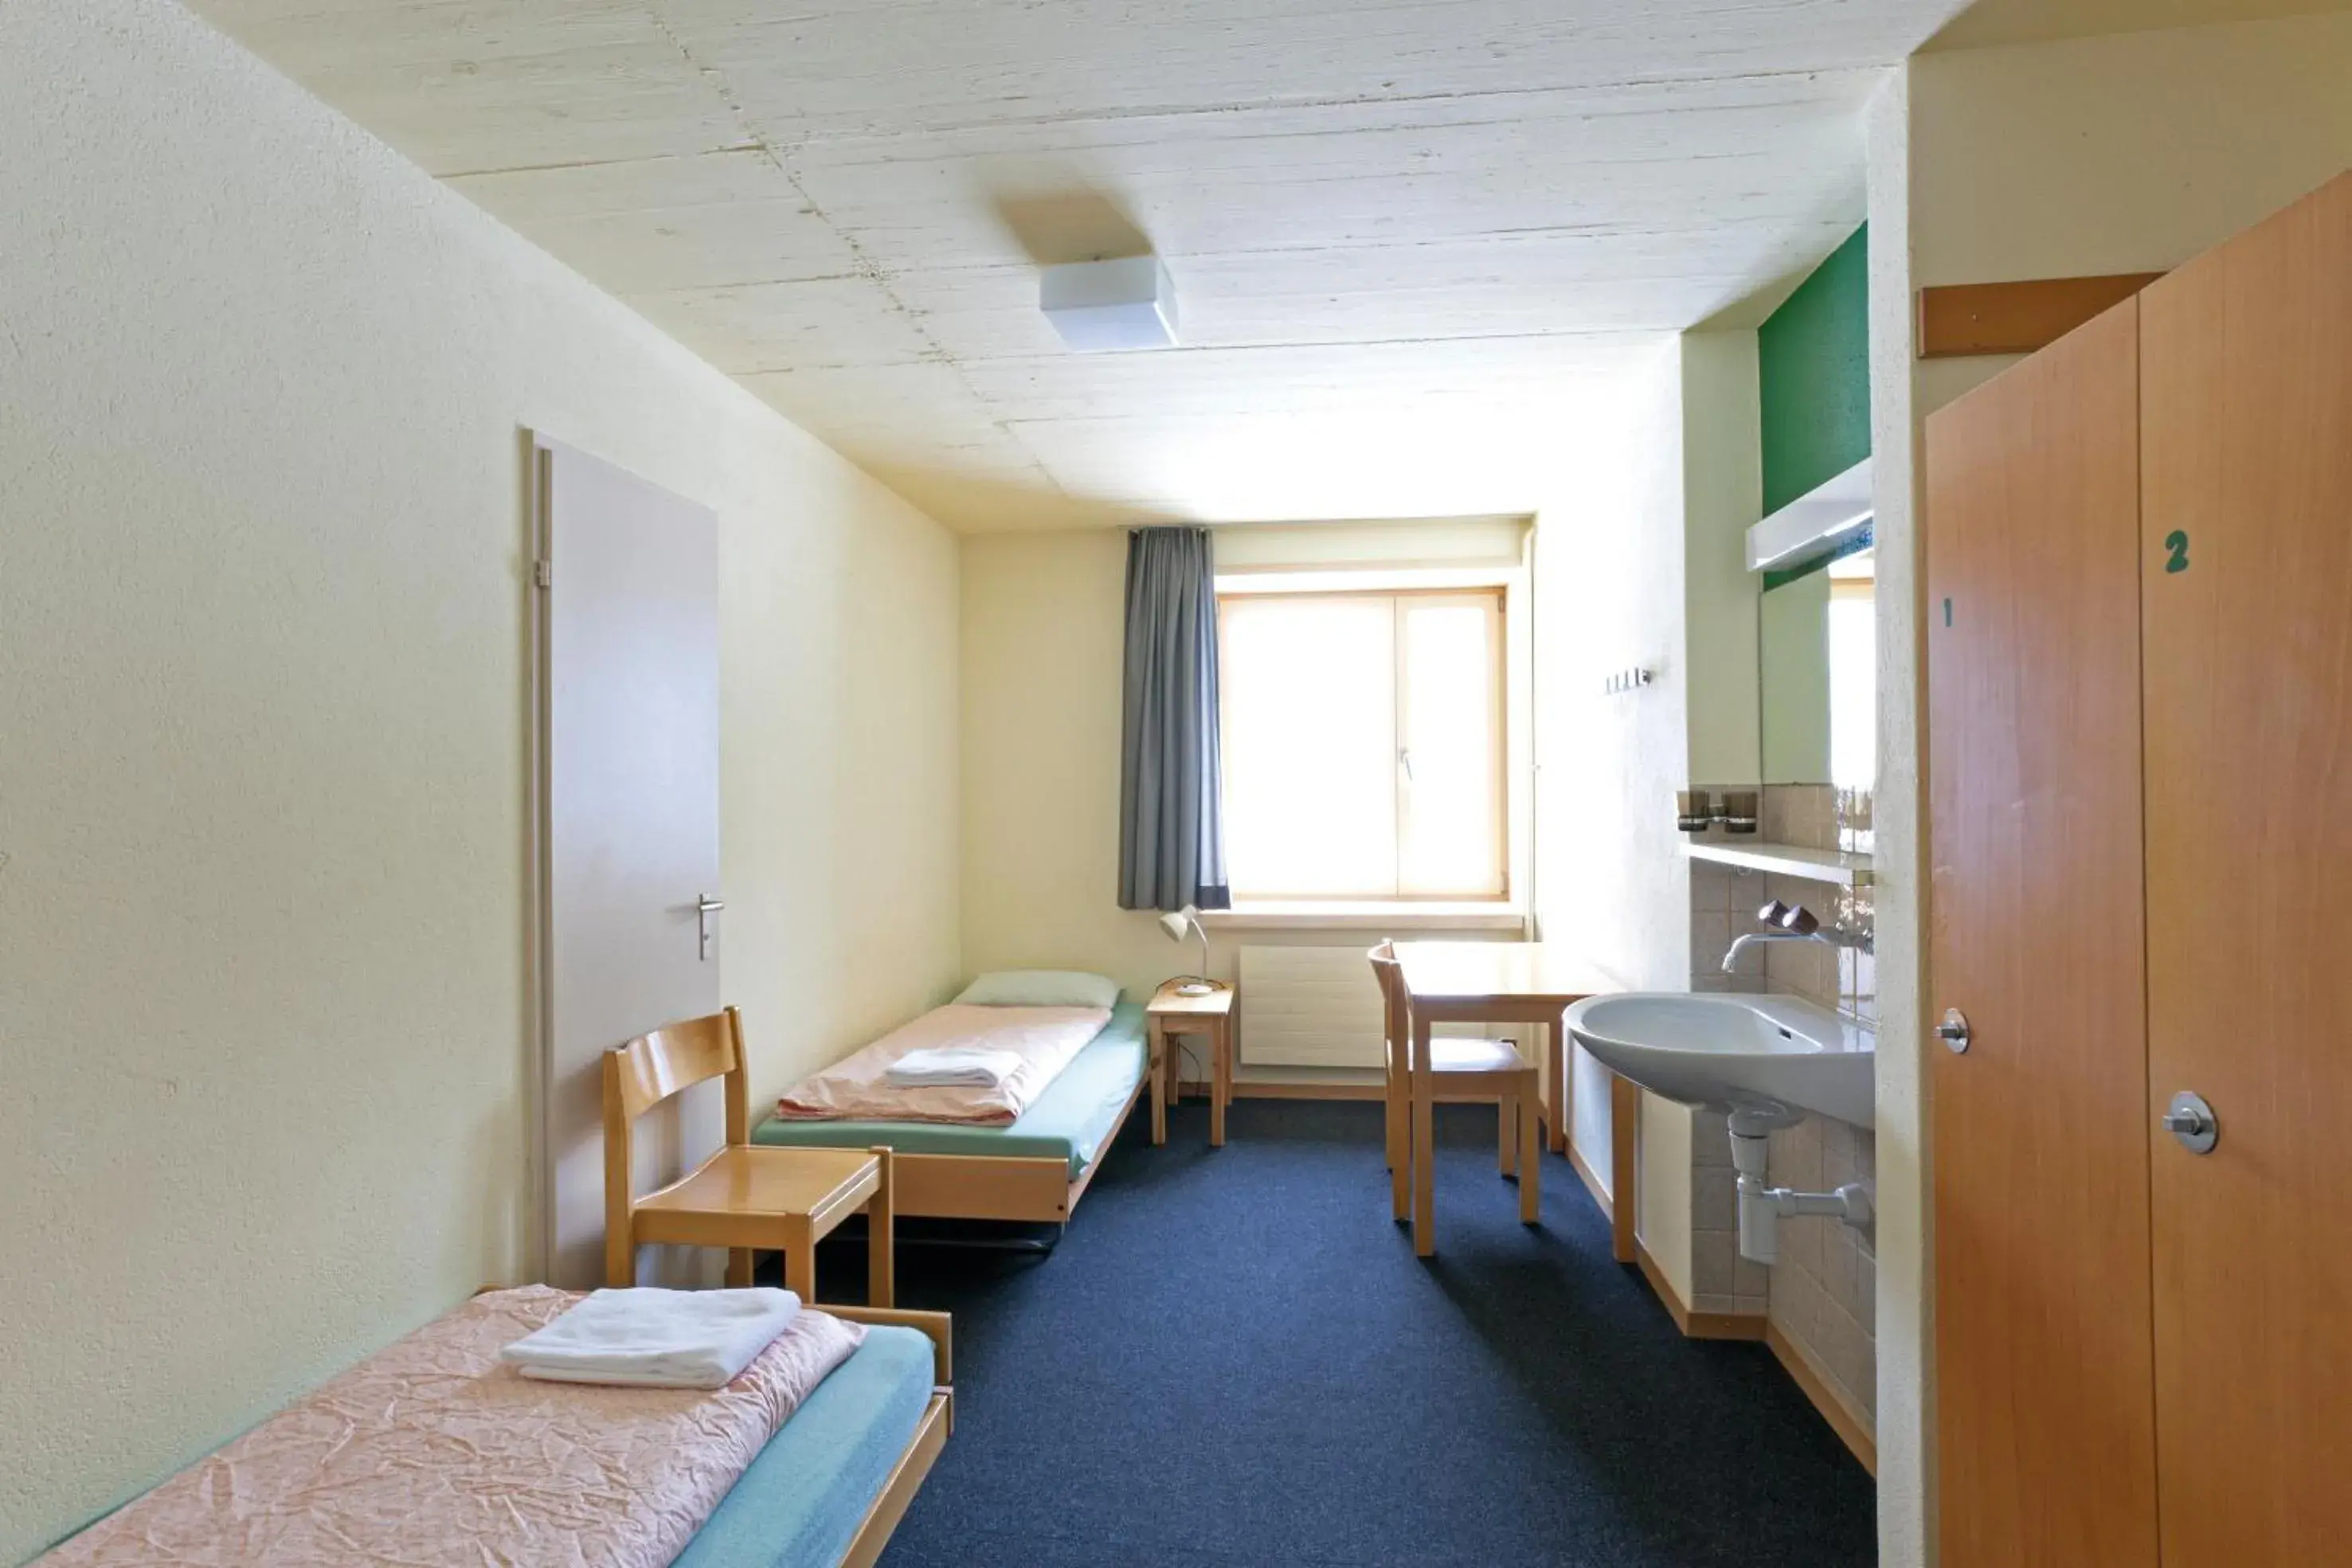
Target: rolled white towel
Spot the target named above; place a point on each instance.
(953, 1065)
(649, 1338)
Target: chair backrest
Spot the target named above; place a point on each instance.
(639, 1076)
(651, 1068)
(1395, 1013)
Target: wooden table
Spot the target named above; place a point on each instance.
(1173, 1014)
(1492, 982)
(788, 1198)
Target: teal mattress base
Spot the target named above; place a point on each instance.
(1071, 1120)
(800, 1502)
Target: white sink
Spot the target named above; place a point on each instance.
(1732, 1052)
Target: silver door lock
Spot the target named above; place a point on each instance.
(1954, 1030)
(2193, 1120)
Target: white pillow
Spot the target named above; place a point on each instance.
(1040, 989)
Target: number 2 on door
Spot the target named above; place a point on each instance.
(2176, 550)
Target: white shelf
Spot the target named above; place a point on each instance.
(1813, 522)
(1788, 859)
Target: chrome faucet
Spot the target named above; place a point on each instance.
(1790, 924)
(1758, 938)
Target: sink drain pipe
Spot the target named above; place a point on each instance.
(1763, 1207)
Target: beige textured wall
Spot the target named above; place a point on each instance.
(1043, 649)
(1904, 1303)
(1641, 560)
(262, 646)
(1722, 497)
(1611, 877)
(2104, 154)
(2128, 153)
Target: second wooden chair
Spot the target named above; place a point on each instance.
(1460, 1069)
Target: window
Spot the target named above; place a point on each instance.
(1853, 678)
(1364, 744)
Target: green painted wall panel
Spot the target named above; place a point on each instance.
(1812, 363)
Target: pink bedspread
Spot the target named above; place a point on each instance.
(856, 1089)
(429, 1454)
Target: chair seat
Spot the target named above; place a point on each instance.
(1449, 1056)
(754, 1180)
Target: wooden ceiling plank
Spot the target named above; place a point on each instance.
(654, 225)
(928, 67)
(667, 184)
(832, 321)
(462, 125)
(1468, 214)
(396, 34)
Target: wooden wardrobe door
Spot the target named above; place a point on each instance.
(2046, 1448)
(2246, 565)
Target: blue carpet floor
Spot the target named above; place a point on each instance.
(1234, 1358)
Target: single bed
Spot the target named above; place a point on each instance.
(832, 1484)
(432, 1450)
(1034, 1168)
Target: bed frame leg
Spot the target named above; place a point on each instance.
(881, 1281)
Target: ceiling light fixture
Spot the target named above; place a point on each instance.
(1102, 307)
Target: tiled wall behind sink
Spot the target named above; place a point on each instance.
(1821, 1294)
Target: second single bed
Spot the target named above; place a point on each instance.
(1034, 1168)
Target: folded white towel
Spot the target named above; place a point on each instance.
(953, 1064)
(647, 1338)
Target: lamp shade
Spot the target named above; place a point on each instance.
(1105, 305)
(1186, 922)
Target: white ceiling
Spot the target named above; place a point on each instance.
(1413, 239)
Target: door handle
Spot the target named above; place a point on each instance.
(705, 906)
(2193, 1120)
(1954, 1030)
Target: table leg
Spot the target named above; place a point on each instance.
(1158, 1071)
(1221, 1080)
(881, 1257)
(800, 1259)
(1425, 1188)
(1555, 1053)
(1398, 1116)
(1530, 1173)
(739, 1268)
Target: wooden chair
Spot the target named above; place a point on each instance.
(745, 1196)
(1459, 1070)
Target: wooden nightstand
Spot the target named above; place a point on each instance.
(1210, 1016)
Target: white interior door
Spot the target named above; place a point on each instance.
(629, 830)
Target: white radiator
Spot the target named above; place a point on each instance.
(1319, 1007)
(1309, 1007)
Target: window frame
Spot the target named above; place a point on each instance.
(1496, 598)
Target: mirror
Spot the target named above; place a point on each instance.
(1817, 638)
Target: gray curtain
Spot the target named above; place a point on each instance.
(1172, 826)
